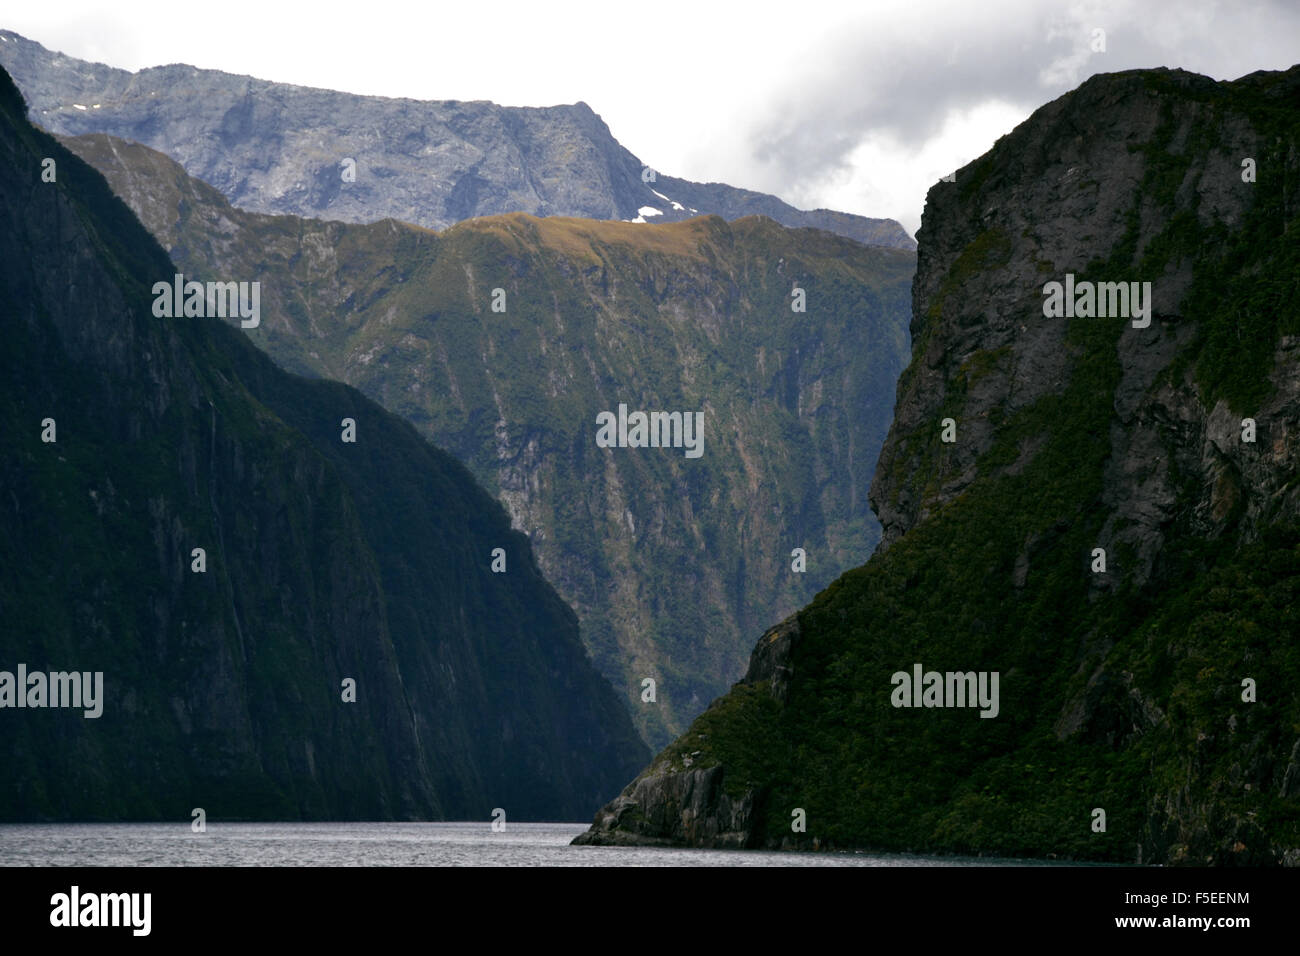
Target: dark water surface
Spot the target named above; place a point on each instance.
(384, 844)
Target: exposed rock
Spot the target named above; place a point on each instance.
(688, 808)
(278, 148)
(671, 804)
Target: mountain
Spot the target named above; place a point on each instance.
(670, 560)
(1112, 529)
(224, 674)
(277, 148)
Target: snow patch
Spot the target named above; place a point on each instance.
(675, 204)
(648, 211)
(78, 106)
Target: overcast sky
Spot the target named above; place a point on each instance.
(853, 105)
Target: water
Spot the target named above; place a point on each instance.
(384, 844)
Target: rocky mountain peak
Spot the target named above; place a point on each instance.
(279, 148)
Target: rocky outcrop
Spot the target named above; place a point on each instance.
(772, 661)
(674, 803)
(277, 148)
(688, 808)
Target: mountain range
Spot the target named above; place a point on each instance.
(277, 148)
(1075, 634)
(788, 342)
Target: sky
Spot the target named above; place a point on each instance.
(855, 105)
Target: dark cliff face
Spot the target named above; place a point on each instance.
(1161, 197)
(1134, 688)
(644, 543)
(276, 148)
(324, 561)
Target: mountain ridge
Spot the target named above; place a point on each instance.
(277, 148)
(694, 315)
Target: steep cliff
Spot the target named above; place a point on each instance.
(1110, 526)
(130, 441)
(669, 560)
(277, 148)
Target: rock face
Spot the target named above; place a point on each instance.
(699, 316)
(1110, 526)
(323, 562)
(276, 148)
(982, 352)
(674, 803)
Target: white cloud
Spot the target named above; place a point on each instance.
(855, 106)
(887, 176)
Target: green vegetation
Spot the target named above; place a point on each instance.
(1125, 693)
(672, 564)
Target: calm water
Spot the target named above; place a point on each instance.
(382, 844)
